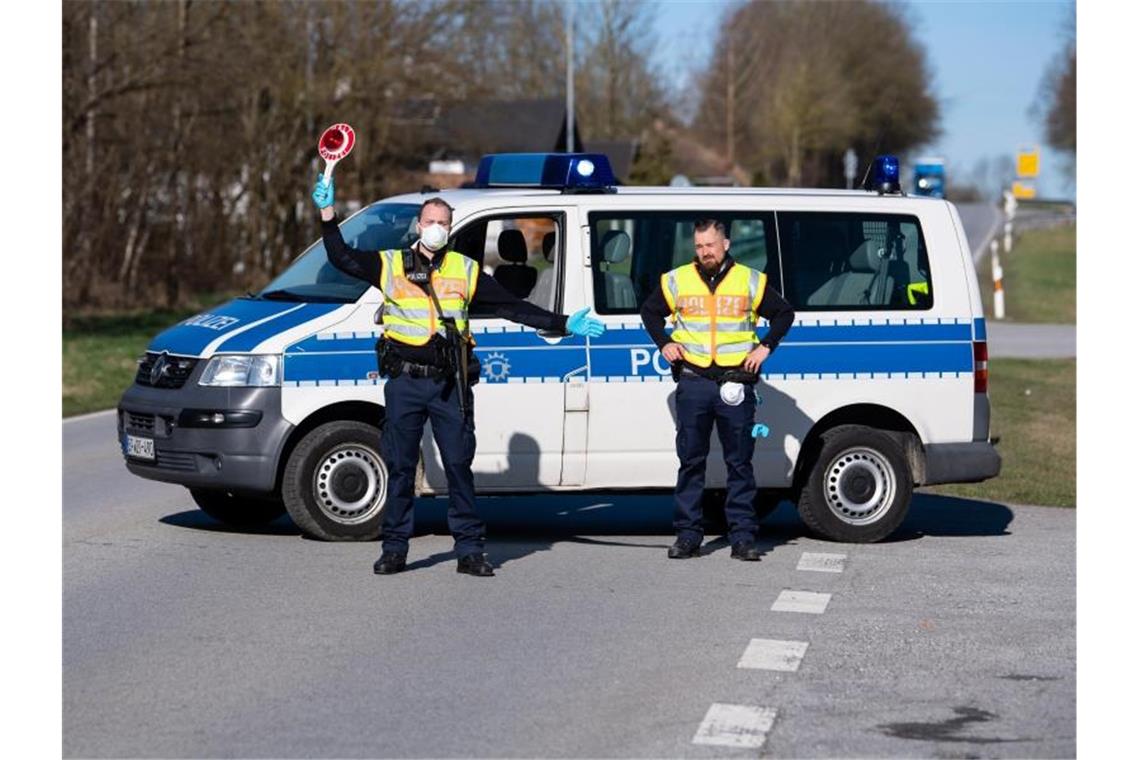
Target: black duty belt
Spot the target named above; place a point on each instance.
(420, 370)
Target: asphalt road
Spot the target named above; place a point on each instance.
(184, 638)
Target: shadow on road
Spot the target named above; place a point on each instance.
(519, 526)
(938, 515)
(196, 519)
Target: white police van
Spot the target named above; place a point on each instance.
(272, 402)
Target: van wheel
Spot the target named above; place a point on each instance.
(239, 511)
(335, 482)
(859, 487)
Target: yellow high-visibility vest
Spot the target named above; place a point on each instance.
(715, 325)
(409, 315)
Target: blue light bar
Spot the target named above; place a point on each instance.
(885, 175)
(569, 172)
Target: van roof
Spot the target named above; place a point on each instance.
(456, 197)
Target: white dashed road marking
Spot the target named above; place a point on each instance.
(801, 601)
(772, 654)
(739, 726)
(822, 563)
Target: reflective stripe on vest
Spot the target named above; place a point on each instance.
(715, 325)
(409, 315)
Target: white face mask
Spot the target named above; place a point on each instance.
(732, 394)
(434, 237)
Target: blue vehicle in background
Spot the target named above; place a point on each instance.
(930, 177)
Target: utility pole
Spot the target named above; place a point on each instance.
(570, 76)
(730, 103)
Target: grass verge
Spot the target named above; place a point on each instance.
(1033, 408)
(100, 353)
(1039, 277)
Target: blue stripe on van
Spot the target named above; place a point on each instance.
(191, 336)
(626, 352)
(249, 339)
(980, 329)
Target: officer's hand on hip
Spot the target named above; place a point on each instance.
(672, 352)
(323, 193)
(581, 323)
(756, 357)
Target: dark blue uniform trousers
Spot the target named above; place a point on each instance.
(410, 402)
(698, 407)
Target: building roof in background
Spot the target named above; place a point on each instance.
(467, 130)
(699, 162)
(621, 154)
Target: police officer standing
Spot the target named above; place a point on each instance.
(425, 370)
(714, 302)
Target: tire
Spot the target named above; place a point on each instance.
(237, 510)
(336, 483)
(859, 487)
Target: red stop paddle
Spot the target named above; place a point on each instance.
(336, 142)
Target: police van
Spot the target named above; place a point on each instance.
(272, 402)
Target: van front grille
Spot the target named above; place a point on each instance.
(172, 372)
(144, 422)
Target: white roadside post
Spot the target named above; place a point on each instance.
(999, 294)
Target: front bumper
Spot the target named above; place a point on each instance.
(961, 462)
(233, 458)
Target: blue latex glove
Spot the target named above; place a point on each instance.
(323, 194)
(580, 323)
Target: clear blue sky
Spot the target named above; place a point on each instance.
(987, 60)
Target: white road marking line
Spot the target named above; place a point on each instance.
(801, 601)
(822, 563)
(740, 726)
(773, 654)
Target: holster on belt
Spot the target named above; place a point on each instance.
(388, 361)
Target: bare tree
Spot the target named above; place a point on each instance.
(791, 86)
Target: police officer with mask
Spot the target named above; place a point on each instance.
(418, 283)
(713, 302)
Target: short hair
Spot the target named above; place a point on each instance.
(436, 202)
(701, 225)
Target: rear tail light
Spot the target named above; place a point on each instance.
(981, 367)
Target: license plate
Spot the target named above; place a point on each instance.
(140, 448)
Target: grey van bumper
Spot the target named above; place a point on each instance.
(961, 462)
(234, 458)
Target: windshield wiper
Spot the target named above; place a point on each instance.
(284, 294)
(280, 295)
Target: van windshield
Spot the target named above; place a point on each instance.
(312, 278)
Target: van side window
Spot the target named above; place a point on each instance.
(631, 250)
(856, 261)
(522, 253)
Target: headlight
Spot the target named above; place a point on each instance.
(241, 371)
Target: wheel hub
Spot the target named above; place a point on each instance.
(860, 486)
(350, 484)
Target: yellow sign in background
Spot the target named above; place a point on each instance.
(1024, 191)
(1028, 162)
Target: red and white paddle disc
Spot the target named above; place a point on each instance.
(336, 142)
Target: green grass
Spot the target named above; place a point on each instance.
(100, 353)
(1033, 408)
(1039, 277)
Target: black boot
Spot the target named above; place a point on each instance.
(389, 563)
(475, 564)
(684, 548)
(746, 550)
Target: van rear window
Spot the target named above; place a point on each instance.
(851, 261)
